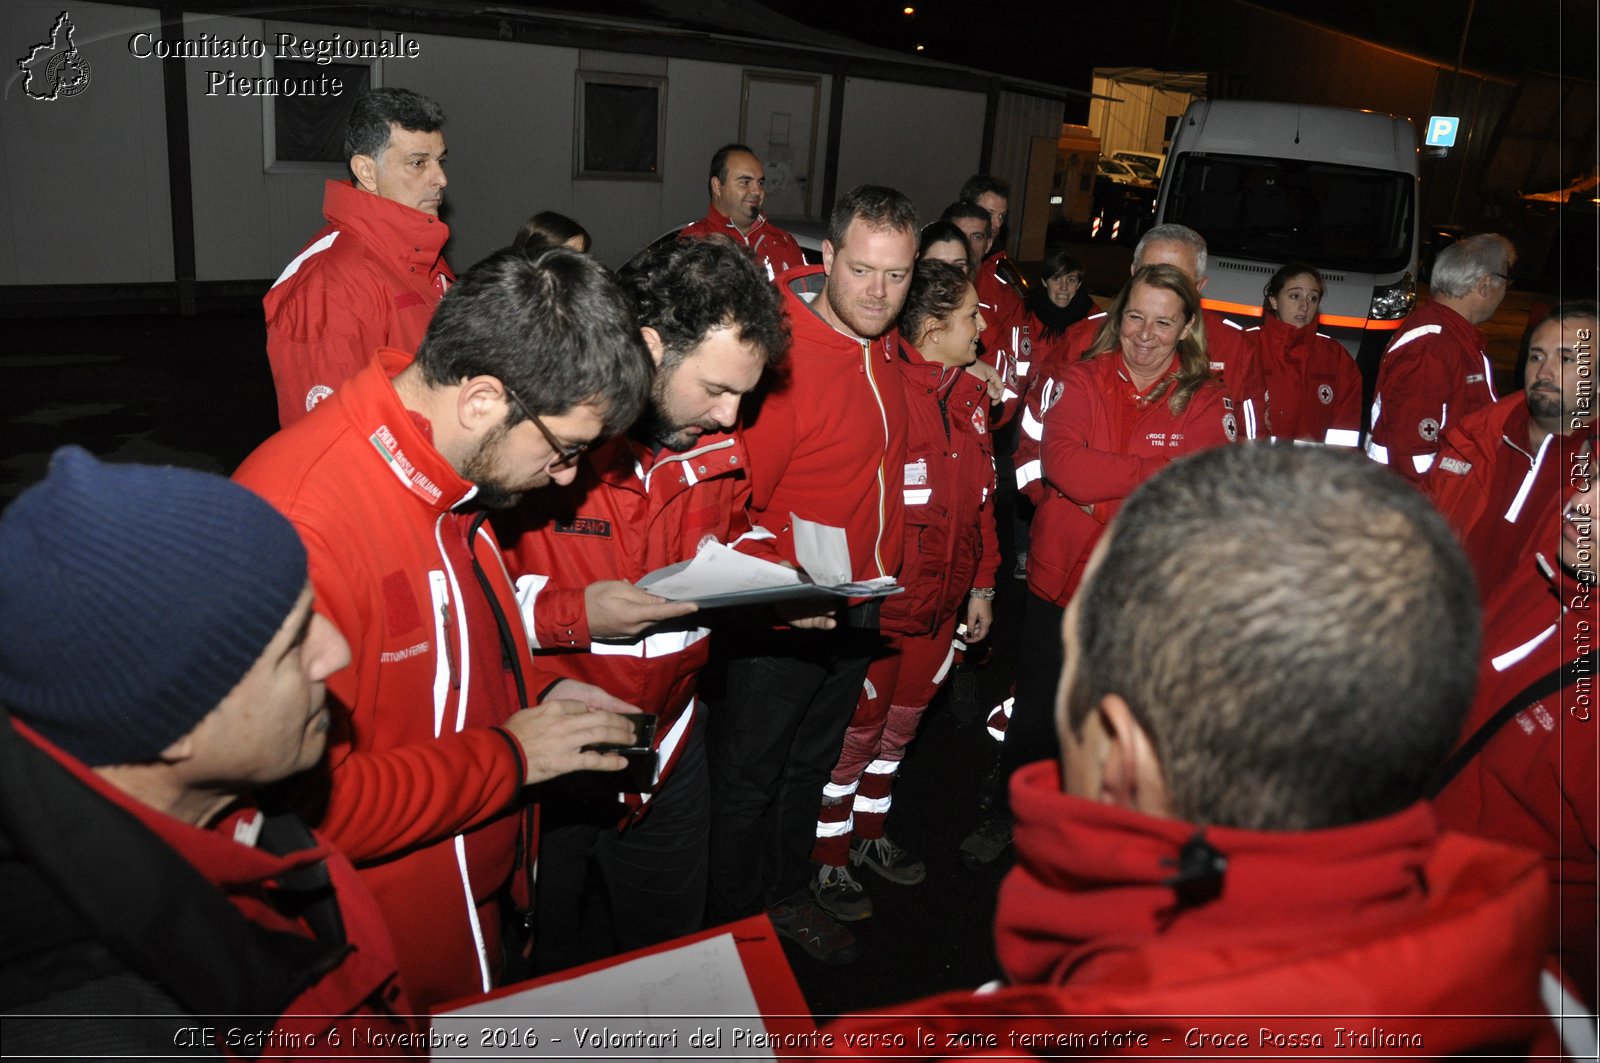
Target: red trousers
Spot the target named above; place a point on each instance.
(899, 687)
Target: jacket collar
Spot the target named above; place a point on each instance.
(1092, 881)
(801, 286)
(399, 438)
(625, 463)
(408, 234)
(720, 221)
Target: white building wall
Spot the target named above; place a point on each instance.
(923, 141)
(85, 195)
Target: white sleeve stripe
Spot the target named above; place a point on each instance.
(1028, 472)
(528, 588)
(1032, 425)
(1422, 462)
(1421, 330)
(1342, 437)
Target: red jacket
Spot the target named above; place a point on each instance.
(1433, 372)
(949, 496)
(140, 884)
(631, 511)
(1313, 386)
(422, 788)
(1496, 490)
(1534, 783)
(1343, 942)
(370, 278)
(1051, 357)
(769, 245)
(828, 442)
(1087, 460)
(1006, 342)
(1235, 366)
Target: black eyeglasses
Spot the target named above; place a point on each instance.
(566, 455)
(1507, 281)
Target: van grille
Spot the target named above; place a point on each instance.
(1250, 267)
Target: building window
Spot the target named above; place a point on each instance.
(304, 133)
(620, 126)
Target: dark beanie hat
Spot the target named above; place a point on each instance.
(133, 599)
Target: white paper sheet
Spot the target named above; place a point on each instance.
(693, 1002)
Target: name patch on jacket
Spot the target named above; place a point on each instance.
(585, 526)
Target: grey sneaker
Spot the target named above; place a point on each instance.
(808, 926)
(888, 860)
(984, 845)
(839, 894)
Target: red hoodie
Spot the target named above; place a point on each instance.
(1007, 341)
(1385, 938)
(370, 278)
(828, 439)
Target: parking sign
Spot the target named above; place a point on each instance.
(1442, 131)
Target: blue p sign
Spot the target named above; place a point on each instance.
(1442, 131)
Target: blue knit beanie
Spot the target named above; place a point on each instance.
(133, 599)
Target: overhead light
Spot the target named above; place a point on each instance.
(908, 11)
(919, 48)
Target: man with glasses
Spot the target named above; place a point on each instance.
(1436, 370)
(650, 498)
(525, 363)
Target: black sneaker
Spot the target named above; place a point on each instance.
(808, 926)
(839, 894)
(888, 860)
(984, 845)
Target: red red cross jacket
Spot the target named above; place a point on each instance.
(1313, 386)
(827, 440)
(774, 249)
(630, 511)
(1006, 342)
(1434, 372)
(370, 278)
(1382, 939)
(1534, 783)
(1497, 490)
(1050, 361)
(949, 496)
(1087, 460)
(422, 788)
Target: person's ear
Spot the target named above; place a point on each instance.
(827, 257)
(652, 340)
(482, 404)
(716, 188)
(1272, 301)
(1131, 775)
(179, 750)
(365, 167)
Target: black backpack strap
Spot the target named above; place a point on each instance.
(1544, 686)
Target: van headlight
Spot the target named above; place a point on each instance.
(1395, 301)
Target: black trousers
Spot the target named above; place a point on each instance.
(775, 739)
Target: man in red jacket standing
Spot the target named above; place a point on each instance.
(641, 501)
(526, 362)
(827, 446)
(738, 189)
(373, 275)
(1502, 470)
(1236, 826)
(1436, 369)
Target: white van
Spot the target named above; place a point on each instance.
(1271, 183)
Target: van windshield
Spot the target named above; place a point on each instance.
(1280, 210)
